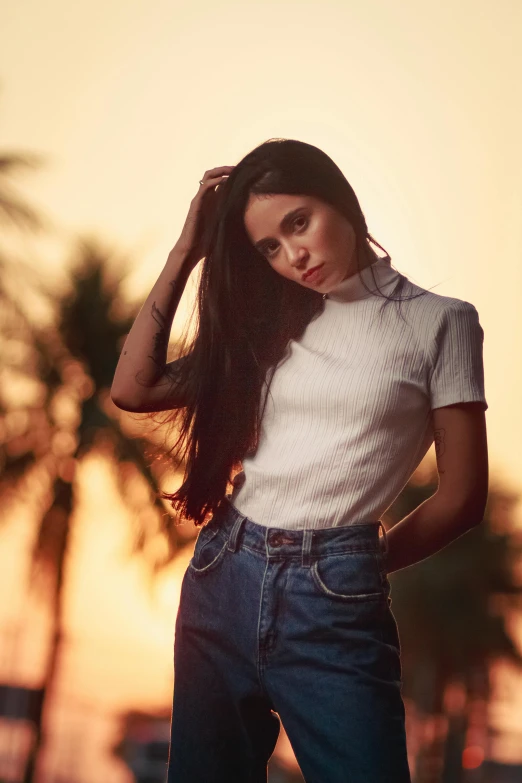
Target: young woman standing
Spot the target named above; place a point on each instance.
(317, 380)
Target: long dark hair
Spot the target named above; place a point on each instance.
(247, 315)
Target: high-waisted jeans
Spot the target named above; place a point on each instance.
(293, 625)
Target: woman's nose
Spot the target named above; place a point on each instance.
(298, 257)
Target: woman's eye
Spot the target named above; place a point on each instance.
(300, 217)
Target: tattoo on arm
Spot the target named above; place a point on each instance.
(160, 338)
(160, 341)
(440, 445)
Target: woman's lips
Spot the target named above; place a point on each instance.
(312, 274)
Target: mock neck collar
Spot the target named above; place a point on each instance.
(352, 288)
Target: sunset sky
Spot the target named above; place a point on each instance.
(131, 102)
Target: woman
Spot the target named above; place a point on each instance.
(285, 608)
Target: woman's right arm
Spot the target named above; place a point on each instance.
(143, 380)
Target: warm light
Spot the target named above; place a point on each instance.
(284, 752)
(455, 698)
(472, 757)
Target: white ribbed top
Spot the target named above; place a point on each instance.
(347, 420)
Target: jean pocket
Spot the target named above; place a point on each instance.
(351, 576)
(209, 549)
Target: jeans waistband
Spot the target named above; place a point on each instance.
(276, 542)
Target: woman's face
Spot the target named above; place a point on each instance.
(297, 233)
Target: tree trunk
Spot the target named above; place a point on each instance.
(54, 539)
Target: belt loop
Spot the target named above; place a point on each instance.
(234, 533)
(307, 547)
(383, 542)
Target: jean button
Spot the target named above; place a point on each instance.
(275, 539)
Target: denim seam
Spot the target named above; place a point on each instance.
(315, 555)
(258, 640)
(212, 563)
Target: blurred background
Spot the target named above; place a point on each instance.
(110, 113)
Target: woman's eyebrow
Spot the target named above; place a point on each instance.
(283, 224)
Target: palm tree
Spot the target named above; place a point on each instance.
(74, 363)
(451, 629)
(74, 360)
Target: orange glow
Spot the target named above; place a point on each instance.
(472, 757)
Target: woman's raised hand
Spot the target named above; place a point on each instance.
(194, 236)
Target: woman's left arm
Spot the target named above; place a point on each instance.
(460, 500)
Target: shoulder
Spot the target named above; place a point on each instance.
(437, 321)
(433, 311)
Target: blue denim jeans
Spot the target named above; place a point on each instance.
(291, 625)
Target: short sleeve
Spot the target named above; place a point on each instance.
(457, 369)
